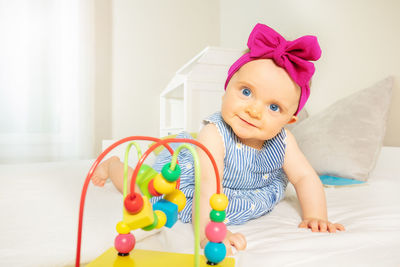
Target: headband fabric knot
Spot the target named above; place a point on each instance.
(293, 56)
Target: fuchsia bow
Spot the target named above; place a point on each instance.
(293, 56)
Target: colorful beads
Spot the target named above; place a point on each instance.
(145, 175)
(142, 171)
(177, 197)
(162, 218)
(171, 175)
(217, 215)
(162, 186)
(219, 202)
(124, 243)
(140, 219)
(215, 252)
(133, 203)
(122, 228)
(152, 191)
(153, 225)
(170, 209)
(216, 231)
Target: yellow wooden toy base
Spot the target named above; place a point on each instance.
(150, 258)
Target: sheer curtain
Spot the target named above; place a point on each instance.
(46, 80)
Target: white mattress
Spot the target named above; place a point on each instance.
(40, 202)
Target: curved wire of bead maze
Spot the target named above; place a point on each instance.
(214, 251)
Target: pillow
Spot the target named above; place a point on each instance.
(344, 140)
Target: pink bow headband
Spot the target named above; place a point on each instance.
(293, 56)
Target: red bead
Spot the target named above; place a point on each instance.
(124, 243)
(216, 232)
(133, 203)
(152, 190)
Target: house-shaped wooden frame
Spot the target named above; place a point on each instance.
(196, 90)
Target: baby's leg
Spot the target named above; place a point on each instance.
(112, 168)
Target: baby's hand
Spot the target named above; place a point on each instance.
(318, 225)
(236, 240)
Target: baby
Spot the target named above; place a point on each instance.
(256, 156)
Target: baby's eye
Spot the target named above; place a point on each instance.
(246, 92)
(274, 107)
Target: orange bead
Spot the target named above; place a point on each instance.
(219, 202)
(177, 197)
(162, 186)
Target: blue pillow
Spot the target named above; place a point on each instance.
(338, 181)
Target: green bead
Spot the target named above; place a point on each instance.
(217, 216)
(171, 175)
(153, 225)
(146, 173)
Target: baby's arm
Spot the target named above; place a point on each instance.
(309, 189)
(210, 137)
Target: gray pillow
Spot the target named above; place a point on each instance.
(303, 114)
(345, 139)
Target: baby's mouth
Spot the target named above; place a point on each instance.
(247, 122)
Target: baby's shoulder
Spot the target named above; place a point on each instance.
(211, 138)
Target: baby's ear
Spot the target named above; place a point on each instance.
(292, 120)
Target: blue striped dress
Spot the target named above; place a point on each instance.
(253, 180)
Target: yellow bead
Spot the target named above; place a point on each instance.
(162, 218)
(122, 228)
(162, 186)
(219, 202)
(177, 197)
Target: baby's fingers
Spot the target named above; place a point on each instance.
(303, 224)
(323, 226)
(339, 227)
(238, 241)
(332, 227)
(314, 225)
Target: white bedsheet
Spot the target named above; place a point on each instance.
(39, 205)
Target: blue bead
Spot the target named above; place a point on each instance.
(170, 209)
(215, 252)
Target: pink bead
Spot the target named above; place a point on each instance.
(124, 243)
(216, 231)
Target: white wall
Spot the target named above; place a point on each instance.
(150, 41)
(360, 42)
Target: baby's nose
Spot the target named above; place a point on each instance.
(254, 111)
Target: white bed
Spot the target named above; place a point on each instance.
(39, 205)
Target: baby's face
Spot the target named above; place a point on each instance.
(260, 99)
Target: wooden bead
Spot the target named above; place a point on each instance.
(162, 186)
(133, 203)
(215, 252)
(171, 175)
(122, 228)
(215, 231)
(177, 197)
(162, 218)
(152, 191)
(124, 243)
(153, 225)
(219, 202)
(217, 215)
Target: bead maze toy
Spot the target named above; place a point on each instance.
(137, 211)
